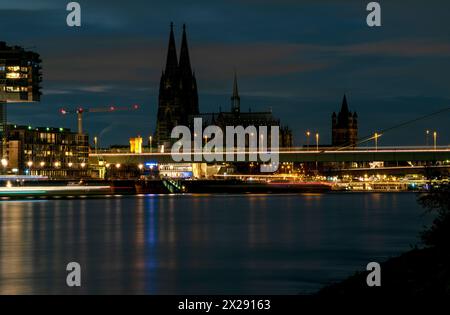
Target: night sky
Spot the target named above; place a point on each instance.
(296, 57)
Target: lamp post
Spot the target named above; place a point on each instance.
(317, 142)
(95, 144)
(150, 143)
(307, 139)
(29, 164)
(376, 141)
(435, 139)
(427, 134)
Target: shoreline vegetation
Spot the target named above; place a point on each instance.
(422, 271)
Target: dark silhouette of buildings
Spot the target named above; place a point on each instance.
(178, 96)
(344, 126)
(178, 101)
(236, 117)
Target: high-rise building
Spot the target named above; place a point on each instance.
(344, 126)
(20, 74)
(20, 77)
(178, 95)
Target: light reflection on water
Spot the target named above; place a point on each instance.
(241, 244)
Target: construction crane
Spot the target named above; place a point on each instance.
(80, 111)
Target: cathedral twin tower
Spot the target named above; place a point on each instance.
(178, 95)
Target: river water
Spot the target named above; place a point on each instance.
(201, 244)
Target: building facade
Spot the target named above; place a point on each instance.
(20, 77)
(344, 126)
(20, 74)
(52, 152)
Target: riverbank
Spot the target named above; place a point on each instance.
(417, 272)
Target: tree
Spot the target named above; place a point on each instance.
(437, 200)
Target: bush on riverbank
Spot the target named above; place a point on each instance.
(421, 271)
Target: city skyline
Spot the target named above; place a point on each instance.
(293, 64)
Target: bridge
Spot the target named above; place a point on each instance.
(302, 155)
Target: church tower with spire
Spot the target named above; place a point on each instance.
(235, 99)
(178, 95)
(344, 126)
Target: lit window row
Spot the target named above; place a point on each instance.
(15, 89)
(16, 68)
(56, 164)
(16, 75)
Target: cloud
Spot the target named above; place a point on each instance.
(398, 48)
(29, 5)
(95, 88)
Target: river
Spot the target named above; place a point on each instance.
(201, 244)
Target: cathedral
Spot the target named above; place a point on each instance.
(178, 96)
(344, 126)
(178, 101)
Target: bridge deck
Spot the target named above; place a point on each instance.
(286, 155)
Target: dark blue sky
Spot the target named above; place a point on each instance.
(296, 57)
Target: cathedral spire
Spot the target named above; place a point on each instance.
(172, 60)
(344, 107)
(235, 99)
(185, 62)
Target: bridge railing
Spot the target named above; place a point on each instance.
(303, 149)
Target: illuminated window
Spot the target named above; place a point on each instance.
(12, 75)
(13, 68)
(12, 89)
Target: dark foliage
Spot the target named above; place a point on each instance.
(437, 200)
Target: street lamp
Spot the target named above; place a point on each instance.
(95, 144)
(376, 141)
(427, 133)
(435, 139)
(317, 142)
(307, 139)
